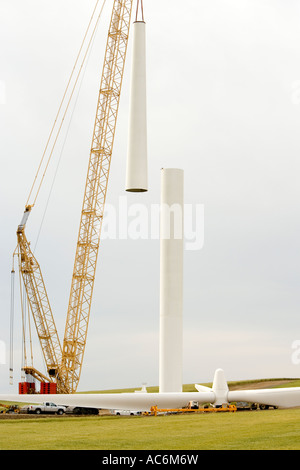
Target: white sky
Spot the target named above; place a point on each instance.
(223, 81)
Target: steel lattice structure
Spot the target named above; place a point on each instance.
(64, 363)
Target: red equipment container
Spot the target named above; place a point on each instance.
(26, 387)
(48, 388)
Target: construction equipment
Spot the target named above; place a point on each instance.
(64, 362)
(210, 409)
(9, 409)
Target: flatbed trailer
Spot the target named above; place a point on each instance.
(155, 410)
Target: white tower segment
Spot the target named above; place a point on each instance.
(137, 172)
(171, 280)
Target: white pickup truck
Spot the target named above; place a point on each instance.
(47, 407)
(126, 413)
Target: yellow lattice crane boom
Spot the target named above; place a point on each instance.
(95, 193)
(64, 362)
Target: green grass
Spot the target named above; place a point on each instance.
(253, 430)
(246, 430)
(151, 389)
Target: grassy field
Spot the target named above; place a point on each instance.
(246, 430)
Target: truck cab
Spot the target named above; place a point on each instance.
(47, 408)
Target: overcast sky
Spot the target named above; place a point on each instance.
(223, 81)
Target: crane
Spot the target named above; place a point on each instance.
(64, 361)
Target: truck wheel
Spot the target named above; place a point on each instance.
(60, 412)
(264, 407)
(38, 411)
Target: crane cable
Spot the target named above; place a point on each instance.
(139, 2)
(12, 313)
(63, 99)
(23, 307)
(23, 297)
(16, 253)
(62, 150)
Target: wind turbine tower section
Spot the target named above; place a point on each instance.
(137, 172)
(171, 280)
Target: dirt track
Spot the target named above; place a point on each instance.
(43, 416)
